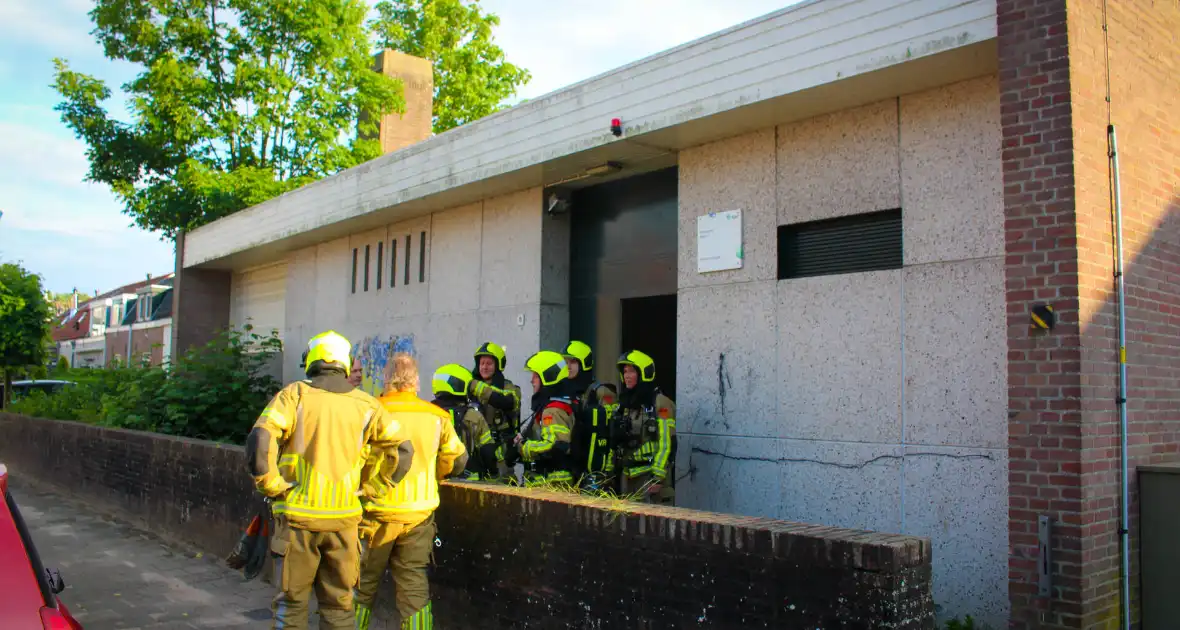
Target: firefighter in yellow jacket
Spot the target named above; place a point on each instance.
(399, 519)
(645, 425)
(498, 397)
(306, 453)
(594, 404)
(545, 443)
(449, 384)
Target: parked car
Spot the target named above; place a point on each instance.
(49, 386)
(28, 591)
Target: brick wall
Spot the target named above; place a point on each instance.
(514, 558)
(144, 341)
(200, 303)
(1044, 388)
(193, 490)
(1063, 427)
(1144, 91)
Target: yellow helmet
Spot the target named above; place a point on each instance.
(451, 379)
(645, 365)
(490, 349)
(581, 352)
(548, 365)
(329, 347)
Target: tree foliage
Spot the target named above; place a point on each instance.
(24, 323)
(471, 76)
(213, 392)
(236, 101)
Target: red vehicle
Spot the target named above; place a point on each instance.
(28, 592)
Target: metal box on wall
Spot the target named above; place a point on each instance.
(1159, 544)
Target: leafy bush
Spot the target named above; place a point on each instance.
(62, 367)
(214, 392)
(955, 624)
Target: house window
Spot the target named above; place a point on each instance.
(859, 243)
(393, 263)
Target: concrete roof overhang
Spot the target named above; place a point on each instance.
(810, 59)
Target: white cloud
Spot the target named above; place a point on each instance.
(34, 154)
(62, 25)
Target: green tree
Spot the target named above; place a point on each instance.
(235, 102)
(24, 323)
(471, 77)
(62, 302)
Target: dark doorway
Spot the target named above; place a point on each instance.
(623, 283)
(649, 325)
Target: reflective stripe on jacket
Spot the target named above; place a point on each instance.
(436, 448)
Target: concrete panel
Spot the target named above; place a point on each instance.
(333, 273)
(839, 357)
(726, 348)
(843, 484)
(405, 300)
(956, 368)
(968, 530)
(455, 259)
(733, 174)
(554, 327)
(555, 259)
(449, 338)
(709, 482)
(839, 164)
(517, 328)
(512, 230)
(302, 268)
(952, 184)
(301, 286)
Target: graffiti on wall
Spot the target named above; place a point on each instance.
(375, 353)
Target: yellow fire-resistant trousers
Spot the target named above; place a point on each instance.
(406, 550)
(324, 561)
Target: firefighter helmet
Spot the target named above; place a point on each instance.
(330, 347)
(451, 379)
(493, 350)
(645, 365)
(548, 365)
(581, 352)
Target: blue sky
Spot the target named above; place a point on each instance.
(74, 234)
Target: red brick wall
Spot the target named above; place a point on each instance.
(200, 304)
(1144, 92)
(1044, 387)
(514, 558)
(1063, 430)
(144, 341)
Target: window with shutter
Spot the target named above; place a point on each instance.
(858, 243)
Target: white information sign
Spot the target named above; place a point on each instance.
(719, 241)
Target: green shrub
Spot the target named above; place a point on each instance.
(62, 367)
(214, 392)
(966, 624)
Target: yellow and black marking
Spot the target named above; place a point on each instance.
(1043, 317)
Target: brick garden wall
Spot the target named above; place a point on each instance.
(514, 558)
(1063, 422)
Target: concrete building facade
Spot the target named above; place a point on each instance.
(913, 180)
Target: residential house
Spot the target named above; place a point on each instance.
(130, 324)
